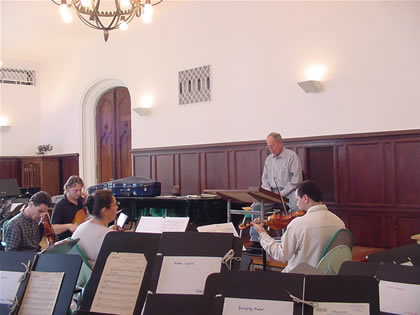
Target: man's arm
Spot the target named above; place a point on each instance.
(58, 221)
(295, 170)
(282, 251)
(12, 236)
(265, 183)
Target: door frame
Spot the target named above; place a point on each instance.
(87, 164)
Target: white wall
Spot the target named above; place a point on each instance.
(257, 51)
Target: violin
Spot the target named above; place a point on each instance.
(80, 216)
(276, 221)
(49, 231)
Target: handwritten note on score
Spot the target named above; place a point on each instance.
(191, 272)
(235, 306)
(9, 285)
(159, 224)
(41, 293)
(120, 284)
(399, 298)
(328, 308)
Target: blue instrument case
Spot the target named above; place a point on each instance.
(133, 186)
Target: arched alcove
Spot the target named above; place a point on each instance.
(89, 102)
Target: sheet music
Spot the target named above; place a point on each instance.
(120, 284)
(399, 298)
(219, 228)
(236, 306)
(121, 220)
(41, 293)
(329, 308)
(186, 275)
(160, 224)
(9, 285)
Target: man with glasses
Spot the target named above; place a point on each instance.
(64, 212)
(282, 172)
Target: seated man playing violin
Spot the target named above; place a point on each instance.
(70, 207)
(23, 232)
(305, 236)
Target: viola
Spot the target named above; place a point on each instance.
(80, 216)
(276, 221)
(49, 231)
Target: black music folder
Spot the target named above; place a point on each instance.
(247, 286)
(341, 289)
(69, 264)
(397, 255)
(123, 242)
(183, 249)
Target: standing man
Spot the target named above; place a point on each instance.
(282, 172)
(23, 232)
(305, 237)
(65, 210)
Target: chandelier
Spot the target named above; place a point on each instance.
(109, 15)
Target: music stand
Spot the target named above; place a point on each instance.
(250, 195)
(69, 264)
(274, 286)
(187, 244)
(9, 188)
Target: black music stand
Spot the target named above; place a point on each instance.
(9, 188)
(69, 264)
(251, 285)
(187, 244)
(396, 255)
(125, 242)
(345, 289)
(356, 268)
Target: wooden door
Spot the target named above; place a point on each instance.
(113, 135)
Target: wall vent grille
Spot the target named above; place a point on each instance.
(194, 85)
(17, 76)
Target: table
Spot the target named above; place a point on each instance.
(200, 210)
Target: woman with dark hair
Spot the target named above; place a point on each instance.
(102, 208)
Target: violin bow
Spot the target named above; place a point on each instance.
(281, 197)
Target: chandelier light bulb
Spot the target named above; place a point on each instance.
(64, 9)
(148, 9)
(125, 4)
(146, 18)
(123, 26)
(86, 3)
(67, 18)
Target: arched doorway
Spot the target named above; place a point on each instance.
(113, 135)
(88, 163)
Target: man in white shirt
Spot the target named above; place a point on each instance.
(282, 172)
(305, 237)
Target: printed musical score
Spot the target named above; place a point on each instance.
(120, 284)
(41, 293)
(328, 308)
(399, 298)
(9, 285)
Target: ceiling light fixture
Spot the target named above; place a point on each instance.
(108, 16)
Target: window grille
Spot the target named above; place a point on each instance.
(194, 85)
(17, 76)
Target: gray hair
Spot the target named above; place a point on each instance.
(276, 136)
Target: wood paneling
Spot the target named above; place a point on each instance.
(49, 173)
(372, 180)
(165, 172)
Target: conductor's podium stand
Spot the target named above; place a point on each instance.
(250, 195)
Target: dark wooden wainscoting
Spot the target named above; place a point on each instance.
(48, 172)
(372, 180)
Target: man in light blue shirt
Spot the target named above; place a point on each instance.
(282, 172)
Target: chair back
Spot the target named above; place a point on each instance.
(85, 270)
(333, 260)
(341, 237)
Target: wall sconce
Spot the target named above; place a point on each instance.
(143, 111)
(311, 86)
(313, 76)
(4, 121)
(145, 108)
